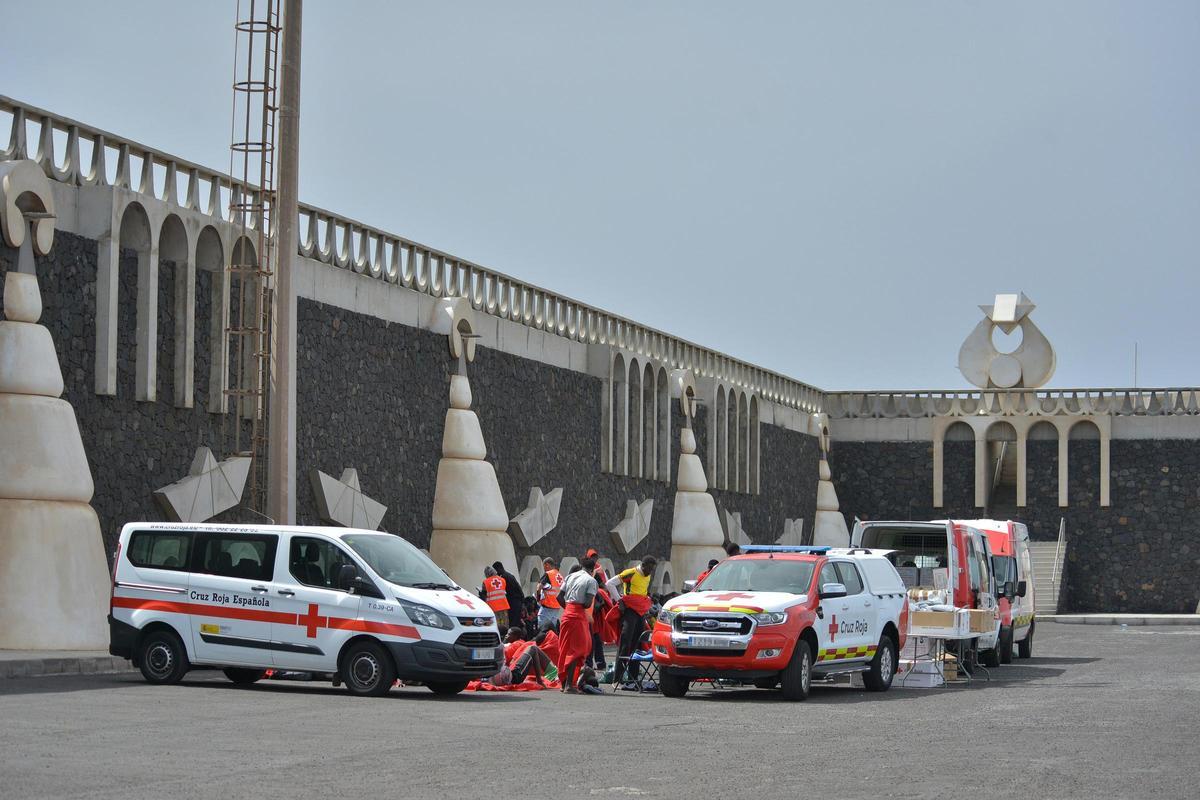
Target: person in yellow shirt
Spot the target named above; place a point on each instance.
(634, 604)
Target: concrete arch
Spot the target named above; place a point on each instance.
(952, 430)
(754, 443)
(210, 257)
(620, 415)
(137, 233)
(649, 419)
(175, 247)
(662, 423)
(742, 483)
(720, 431)
(1081, 433)
(635, 419)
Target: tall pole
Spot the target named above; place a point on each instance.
(281, 444)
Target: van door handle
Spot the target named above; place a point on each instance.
(258, 588)
(286, 592)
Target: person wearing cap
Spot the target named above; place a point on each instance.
(634, 604)
(603, 603)
(574, 631)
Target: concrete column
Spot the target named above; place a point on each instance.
(1063, 471)
(938, 471)
(107, 260)
(185, 330)
(1022, 477)
(281, 444)
(981, 471)
(218, 370)
(1105, 471)
(147, 325)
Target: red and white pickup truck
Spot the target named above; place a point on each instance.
(782, 616)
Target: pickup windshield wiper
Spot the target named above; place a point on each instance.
(445, 587)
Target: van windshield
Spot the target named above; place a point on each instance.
(398, 562)
(759, 575)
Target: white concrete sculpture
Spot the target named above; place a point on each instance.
(54, 581)
(530, 572)
(470, 523)
(1028, 367)
(633, 527)
(793, 533)
(731, 525)
(696, 533)
(342, 502)
(209, 488)
(538, 519)
(829, 528)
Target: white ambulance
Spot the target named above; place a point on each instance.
(358, 607)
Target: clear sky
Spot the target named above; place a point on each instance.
(826, 189)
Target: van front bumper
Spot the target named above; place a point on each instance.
(441, 661)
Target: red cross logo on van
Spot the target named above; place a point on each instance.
(833, 626)
(312, 620)
(464, 602)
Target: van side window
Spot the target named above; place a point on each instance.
(160, 550)
(316, 562)
(238, 556)
(850, 577)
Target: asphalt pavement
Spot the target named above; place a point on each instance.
(1098, 712)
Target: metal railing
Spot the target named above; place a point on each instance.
(1056, 572)
(349, 244)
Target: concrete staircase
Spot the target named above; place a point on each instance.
(1047, 574)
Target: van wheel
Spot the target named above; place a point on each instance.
(244, 676)
(672, 685)
(883, 667)
(990, 657)
(446, 687)
(1006, 646)
(162, 658)
(368, 670)
(1025, 646)
(796, 678)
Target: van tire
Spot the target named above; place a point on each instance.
(1006, 645)
(367, 670)
(991, 657)
(244, 676)
(1025, 646)
(883, 667)
(795, 681)
(672, 685)
(446, 687)
(162, 658)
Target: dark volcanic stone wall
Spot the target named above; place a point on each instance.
(374, 395)
(1142, 554)
(132, 447)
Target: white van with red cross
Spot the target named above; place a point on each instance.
(357, 607)
(784, 616)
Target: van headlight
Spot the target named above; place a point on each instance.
(771, 618)
(425, 615)
(666, 617)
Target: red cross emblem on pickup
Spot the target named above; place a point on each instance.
(312, 620)
(732, 596)
(833, 626)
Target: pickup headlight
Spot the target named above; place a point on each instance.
(771, 618)
(666, 617)
(425, 615)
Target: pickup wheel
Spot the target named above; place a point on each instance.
(883, 667)
(672, 685)
(1006, 645)
(796, 679)
(162, 658)
(1025, 646)
(367, 670)
(243, 676)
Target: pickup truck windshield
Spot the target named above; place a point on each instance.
(398, 562)
(759, 575)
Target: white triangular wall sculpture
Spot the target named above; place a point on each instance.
(342, 502)
(793, 533)
(633, 527)
(829, 525)
(696, 533)
(209, 488)
(539, 517)
(731, 526)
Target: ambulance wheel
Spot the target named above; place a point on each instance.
(796, 679)
(368, 670)
(1025, 646)
(1006, 646)
(672, 685)
(991, 656)
(243, 676)
(446, 687)
(883, 667)
(162, 658)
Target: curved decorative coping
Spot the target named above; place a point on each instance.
(1011, 402)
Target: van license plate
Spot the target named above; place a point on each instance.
(710, 641)
(483, 654)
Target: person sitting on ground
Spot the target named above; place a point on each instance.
(634, 604)
(574, 629)
(522, 658)
(547, 639)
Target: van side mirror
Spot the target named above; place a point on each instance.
(1022, 588)
(345, 577)
(1010, 589)
(832, 590)
(688, 586)
(364, 588)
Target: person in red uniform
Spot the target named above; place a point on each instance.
(495, 595)
(700, 578)
(601, 633)
(574, 629)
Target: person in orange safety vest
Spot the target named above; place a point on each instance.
(549, 609)
(495, 595)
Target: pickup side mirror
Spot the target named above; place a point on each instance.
(1022, 588)
(688, 586)
(831, 590)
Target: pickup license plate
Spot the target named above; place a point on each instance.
(712, 642)
(483, 654)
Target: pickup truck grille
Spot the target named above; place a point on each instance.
(713, 624)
